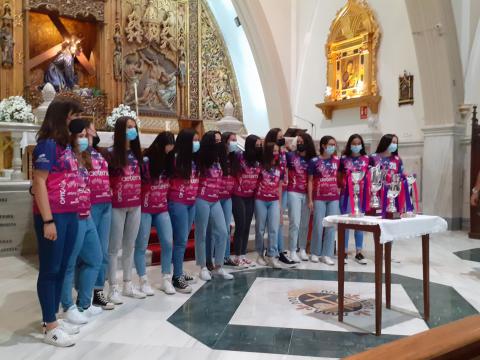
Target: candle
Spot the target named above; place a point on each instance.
(136, 96)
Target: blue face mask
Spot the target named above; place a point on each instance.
(356, 148)
(331, 149)
(82, 144)
(196, 146)
(232, 146)
(131, 134)
(392, 148)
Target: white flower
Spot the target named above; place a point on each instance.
(121, 110)
(15, 109)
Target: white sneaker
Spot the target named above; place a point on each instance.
(205, 274)
(303, 255)
(114, 295)
(314, 258)
(67, 328)
(248, 263)
(130, 291)
(58, 337)
(166, 285)
(261, 260)
(328, 260)
(92, 311)
(221, 272)
(145, 286)
(273, 262)
(74, 316)
(294, 257)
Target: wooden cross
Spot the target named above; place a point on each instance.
(52, 52)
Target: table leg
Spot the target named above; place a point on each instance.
(388, 273)
(426, 276)
(341, 270)
(378, 282)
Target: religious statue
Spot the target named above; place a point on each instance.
(61, 71)
(117, 54)
(151, 22)
(6, 37)
(159, 86)
(182, 76)
(132, 70)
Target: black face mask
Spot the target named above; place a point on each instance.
(95, 141)
(301, 147)
(281, 142)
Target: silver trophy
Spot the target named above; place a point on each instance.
(376, 177)
(410, 180)
(357, 177)
(392, 193)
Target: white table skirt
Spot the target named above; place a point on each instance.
(392, 230)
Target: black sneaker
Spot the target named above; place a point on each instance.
(359, 258)
(283, 258)
(181, 285)
(230, 262)
(100, 300)
(189, 278)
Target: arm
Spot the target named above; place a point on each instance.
(475, 192)
(41, 199)
(310, 192)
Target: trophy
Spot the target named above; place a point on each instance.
(410, 181)
(377, 178)
(392, 193)
(357, 177)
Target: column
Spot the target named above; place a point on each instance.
(17, 158)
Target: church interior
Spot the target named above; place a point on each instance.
(326, 68)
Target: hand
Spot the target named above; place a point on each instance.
(310, 205)
(50, 231)
(474, 199)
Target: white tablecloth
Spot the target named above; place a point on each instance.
(391, 230)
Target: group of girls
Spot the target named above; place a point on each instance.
(90, 203)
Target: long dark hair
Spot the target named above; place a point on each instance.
(348, 147)
(159, 161)
(229, 156)
(209, 152)
(54, 125)
(118, 157)
(324, 141)
(184, 154)
(268, 155)
(310, 151)
(385, 142)
(271, 136)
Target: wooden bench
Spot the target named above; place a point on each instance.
(459, 340)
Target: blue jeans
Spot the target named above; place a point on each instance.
(299, 218)
(358, 234)
(87, 249)
(102, 217)
(53, 258)
(164, 232)
(182, 219)
(227, 213)
(209, 214)
(323, 245)
(281, 240)
(267, 214)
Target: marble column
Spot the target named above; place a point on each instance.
(17, 158)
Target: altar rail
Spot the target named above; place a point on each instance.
(456, 340)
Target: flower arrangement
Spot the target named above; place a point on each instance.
(121, 110)
(16, 109)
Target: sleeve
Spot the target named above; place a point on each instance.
(44, 155)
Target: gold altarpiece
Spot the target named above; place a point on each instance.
(172, 50)
(351, 52)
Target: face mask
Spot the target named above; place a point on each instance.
(232, 146)
(356, 148)
(95, 140)
(330, 149)
(392, 148)
(195, 146)
(281, 142)
(82, 144)
(131, 134)
(301, 147)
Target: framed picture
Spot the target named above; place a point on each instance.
(405, 89)
(350, 72)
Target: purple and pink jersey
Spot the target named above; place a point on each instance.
(297, 173)
(100, 190)
(154, 191)
(184, 191)
(210, 183)
(126, 184)
(269, 183)
(84, 194)
(247, 179)
(226, 187)
(352, 163)
(325, 183)
(62, 180)
(392, 164)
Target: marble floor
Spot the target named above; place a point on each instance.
(262, 314)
